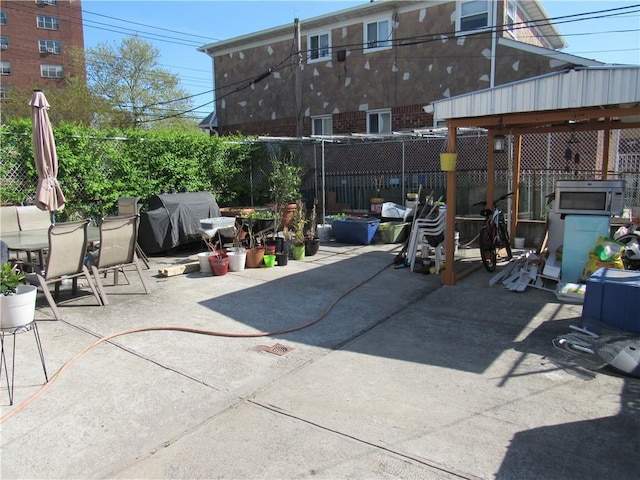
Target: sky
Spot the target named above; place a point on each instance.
(177, 28)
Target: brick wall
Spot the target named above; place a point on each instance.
(23, 36)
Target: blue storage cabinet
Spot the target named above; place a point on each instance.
(612, 298)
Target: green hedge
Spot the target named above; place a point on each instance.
(96, 167)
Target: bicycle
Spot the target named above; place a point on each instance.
(493, 234)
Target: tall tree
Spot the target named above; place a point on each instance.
(72, 103)
(130, 78)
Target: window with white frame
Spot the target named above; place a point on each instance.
(47, 2)
(4, 92)
(322, 125)
(377, 35)
(379, 121)
(319, 47)
(3, 18)
(511, 16)
(5, 68)
(48, 23)
(51, 71)
(472, 15)
(4, 42)
(50, 46)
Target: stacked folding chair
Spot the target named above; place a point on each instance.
(427, 235)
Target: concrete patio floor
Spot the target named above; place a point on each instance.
(402, 378)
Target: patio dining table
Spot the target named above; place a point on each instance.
(36, 241)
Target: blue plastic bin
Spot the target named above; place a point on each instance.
(355, 230)
(612, 298)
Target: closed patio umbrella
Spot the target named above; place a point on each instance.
(49, 195)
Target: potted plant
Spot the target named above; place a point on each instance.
(255, 250)
(17, 302)
(312, 240)
(218, 259)
(284, 181)
(237, 255)
(298, 222)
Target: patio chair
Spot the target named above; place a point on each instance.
(131, 206)
(65, 260)
(118, 237)
(9, 219)
(31, 217)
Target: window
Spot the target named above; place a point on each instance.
(4, 92)
(512, 8)
(3, 18)
(322, 125)
(47, 2)
(377, 35)
(48, 23)
(319, 47)
(473, 15)
(50, 46)
(4, 42)
(379, 121)
(51, 71)
(5, 68)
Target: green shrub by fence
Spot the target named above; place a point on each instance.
(97, 167)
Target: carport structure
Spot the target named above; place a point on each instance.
(577, 99)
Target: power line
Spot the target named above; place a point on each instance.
(150, 26)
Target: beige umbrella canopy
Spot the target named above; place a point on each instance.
(49, 195)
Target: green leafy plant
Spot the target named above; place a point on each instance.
(10, 278)
(285, 178)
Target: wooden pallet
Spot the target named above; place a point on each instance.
(174, 270)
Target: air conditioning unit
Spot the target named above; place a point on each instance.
(51, 50)
(4, 47)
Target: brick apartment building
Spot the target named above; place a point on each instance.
(35, 38)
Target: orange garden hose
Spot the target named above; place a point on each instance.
(70, 362)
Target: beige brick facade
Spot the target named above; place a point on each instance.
(428, 61)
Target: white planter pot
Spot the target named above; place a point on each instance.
(19, 309)
(203, 259)
(236, 261)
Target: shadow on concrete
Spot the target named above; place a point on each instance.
(607, 447)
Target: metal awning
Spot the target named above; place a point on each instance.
(613, 92)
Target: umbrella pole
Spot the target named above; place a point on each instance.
(53, 217)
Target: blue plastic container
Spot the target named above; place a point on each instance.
(355, 230)
(612, 299)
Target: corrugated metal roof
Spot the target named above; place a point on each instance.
(572, 88)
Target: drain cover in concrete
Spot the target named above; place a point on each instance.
(277, 349)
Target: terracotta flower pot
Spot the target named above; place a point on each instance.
(254, 257)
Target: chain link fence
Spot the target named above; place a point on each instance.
(348, 172)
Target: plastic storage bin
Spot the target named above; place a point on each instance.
(612, 298)
(359, 231)
(393, 232)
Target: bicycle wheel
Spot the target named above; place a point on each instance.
(487, 250)
(506, 243)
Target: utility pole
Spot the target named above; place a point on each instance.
(298, 77)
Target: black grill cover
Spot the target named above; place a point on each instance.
(173, 219)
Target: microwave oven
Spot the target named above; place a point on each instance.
(589, 197)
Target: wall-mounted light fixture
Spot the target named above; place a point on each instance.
(498, 143)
